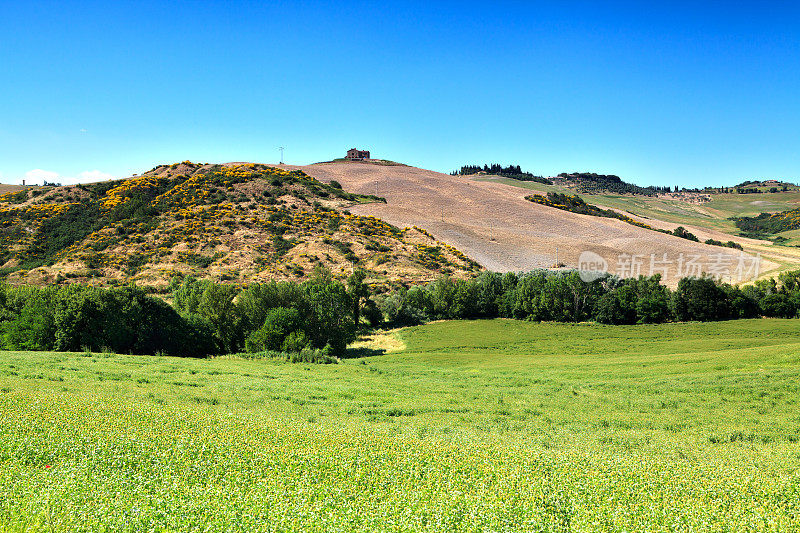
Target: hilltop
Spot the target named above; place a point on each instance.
(237, 222)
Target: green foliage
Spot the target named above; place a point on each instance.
(325, 305)
(19, 197)
(217, 306)
(256, 301)
(777, 305)
(511, 171)
(295, 342)
(344, 249)
(591, 182)
(30, 324)
(700, 299)
(202, 261)
(358, 291)
(206, 318)
(61, 231)
(400, 308)
(635, 301)
(186, 294)
(768, 223)
(564, 297)
(279, 324)
(329, 320)
(281, 245)
(75, 317)
(729, 244)
(681, 232)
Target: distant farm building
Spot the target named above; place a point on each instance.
(354, 154)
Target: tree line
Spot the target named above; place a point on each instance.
(593, 182)
(565, 297)
(314, 320)
(510, 171)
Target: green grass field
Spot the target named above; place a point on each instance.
(476, 426)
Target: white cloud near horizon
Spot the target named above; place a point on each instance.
(38, 175)
(93, 175)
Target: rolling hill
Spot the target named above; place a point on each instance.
(491, 221)
(235, 222)
(244, 222)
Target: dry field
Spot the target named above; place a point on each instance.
(493, 223)
(6, 188)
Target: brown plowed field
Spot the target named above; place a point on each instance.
(494, 224)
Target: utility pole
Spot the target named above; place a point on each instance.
(281, 149)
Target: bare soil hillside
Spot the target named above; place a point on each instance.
(493, 224)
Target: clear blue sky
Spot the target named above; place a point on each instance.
(695, 93)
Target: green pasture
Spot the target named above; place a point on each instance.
(493, 425)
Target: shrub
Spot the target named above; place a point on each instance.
(777, 305)
(681, 232)
(618, 307)
(278, 325)
(700, 299)
(401, 310)
(295, 342)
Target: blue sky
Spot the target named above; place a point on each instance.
(700, 93)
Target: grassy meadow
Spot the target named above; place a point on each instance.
(493, 425)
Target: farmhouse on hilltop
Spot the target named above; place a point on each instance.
(354, 154)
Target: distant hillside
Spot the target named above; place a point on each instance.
(762, 186)
(490, 220)
(589, 182)
(235, 222)
(769, 223)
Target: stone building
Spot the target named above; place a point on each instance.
(354, 154)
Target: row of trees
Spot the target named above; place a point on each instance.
(206, 318)
(319, 317)
(75, 317)
(593, 182)
(565, 297)
(510, 171)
